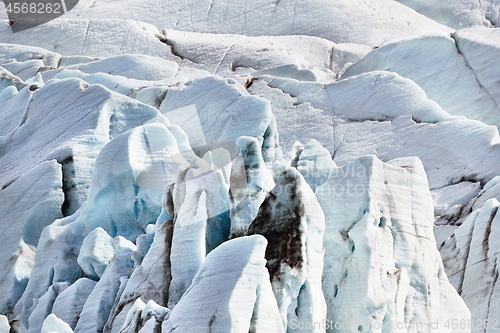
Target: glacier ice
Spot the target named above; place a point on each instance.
(477, 46)
(246, 199)
(23, 221)
(43, 306)
(450, 201)
(385, 20)
(132, 66)
(8, 79)
(75, 137)
(455, 14)
(114, 184)
(99, 304)
(95, 253)
(470, 256)
(382, 266)
(144, 317)
(315, 164)
(244, 115)
(293, 223)
(201, 223)
(231, 292)
(445, 76)
(69, 303)
(53, 324)
(134, 156)
(123, 245)
(224, 53)
(79, 37)
(23, 53)
(150, 280)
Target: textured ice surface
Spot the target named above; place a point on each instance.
(96, 252)
(140, 67)
(445, 76)
(43, 306)
(230, 293)
(226, 53)
(150, 281)
(458, 13)
(232, 114)
(453, 13)
(246, 200)
(334, 82)
(315, 164)
(53, 324)
(292, 221)
(98, 306)
(95, 38)
(23, 221)
(477, 46)
(384, 114)
(376, 22)
(70, 302)
(202, 222)
(85, 119)
(116, 203)
(4, 324)
(470, 256)
(382, 266)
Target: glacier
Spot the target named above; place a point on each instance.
(266, 166)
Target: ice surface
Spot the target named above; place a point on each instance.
(246, 200)
(489, 191)
(94, 38)
(137, 218)
(98, 306)
(4, 324)
(24, 53)
(95, 253)
(131, 323)
(70, 302)
(97, 115)
(23, 221)
(149, 281)
(225, 53)
(376, 22)
(382, 266)
(315, 164)
(9, 79)
(445, 76)
(201, 223)
(470, 256)
(133, 66)
(123, 245)
(230, 293)
(232, 114)
(478, 46)
(24, 70)
(53, 324)
(450, 201)
(140, 313)
(43, 306)
(453, 13)
(292, 221)
(491, 9)
(116, 203)
(384, 114)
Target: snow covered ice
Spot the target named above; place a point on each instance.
(251, 166)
